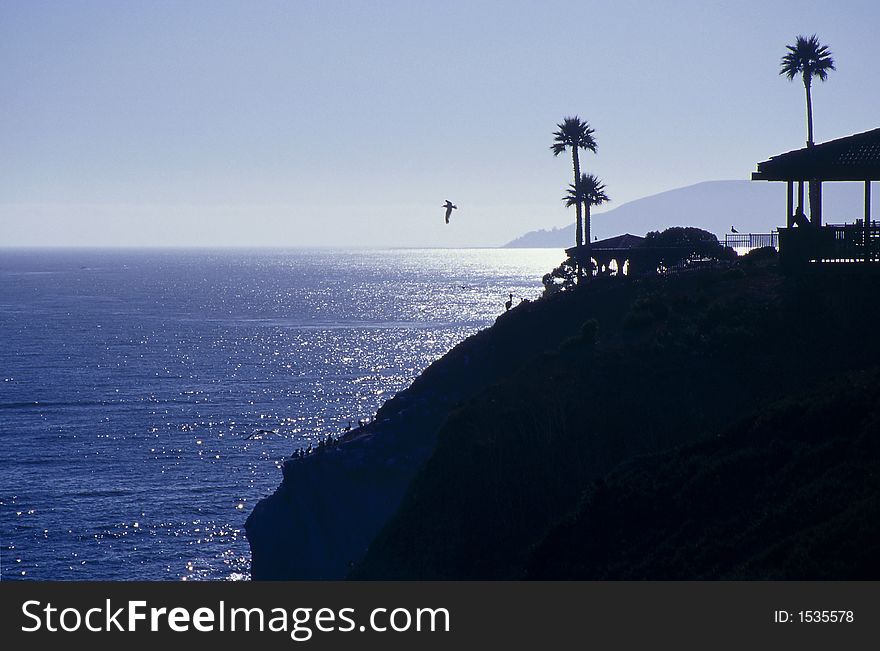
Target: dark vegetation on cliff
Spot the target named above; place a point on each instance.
(791, 493)
(718, 423)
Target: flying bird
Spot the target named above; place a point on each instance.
(449, 207)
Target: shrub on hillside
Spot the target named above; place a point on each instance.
(763, 255)
(682, 246)
(562, 278)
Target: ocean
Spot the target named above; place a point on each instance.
(148, 397)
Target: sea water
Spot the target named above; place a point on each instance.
(148, 398)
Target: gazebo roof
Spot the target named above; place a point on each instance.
(853, 158)
(625, 241)
(617, 243)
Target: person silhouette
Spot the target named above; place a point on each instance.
(449, 208)
(509, 303)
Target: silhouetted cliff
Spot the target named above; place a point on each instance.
(331, 504)
(489, 466)
(791, 493)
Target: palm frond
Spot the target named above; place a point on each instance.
(574, 195)
(589, 190)
(593, 190)
(589, 140)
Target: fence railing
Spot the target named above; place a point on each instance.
(833, 243)
(739, 241)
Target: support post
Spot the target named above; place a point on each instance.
(789, 222)
(587, 247)
(800, 203)
(816, 203)
(868, 243)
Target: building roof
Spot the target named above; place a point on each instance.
(617, 243)
(625, 241)
(853, 158)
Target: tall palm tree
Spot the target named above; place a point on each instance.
(589, 191)
(574, 134)
(808, 58)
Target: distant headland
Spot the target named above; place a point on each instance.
(714, 206)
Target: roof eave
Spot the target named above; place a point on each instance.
(857, 174)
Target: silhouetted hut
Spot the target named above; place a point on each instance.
(804, 240)
(620, 249)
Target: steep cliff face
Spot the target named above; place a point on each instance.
(494, 445)
(695, 355)
(332, 504)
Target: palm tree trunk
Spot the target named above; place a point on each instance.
(815, 188)
(579, 229)
(807, 85)
(589, 241)
(587, 223)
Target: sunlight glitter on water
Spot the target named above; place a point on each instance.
(162, 389)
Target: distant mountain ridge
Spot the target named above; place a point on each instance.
(715, 206)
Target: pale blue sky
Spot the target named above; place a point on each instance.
(326, 123)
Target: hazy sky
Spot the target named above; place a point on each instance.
(319, 123)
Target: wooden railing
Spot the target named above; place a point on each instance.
(832, 243)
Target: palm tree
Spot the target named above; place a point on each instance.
(808, 58)
(574, 134)
(594, 195)
(589, 191)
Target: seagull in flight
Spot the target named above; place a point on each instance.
(449, 207)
